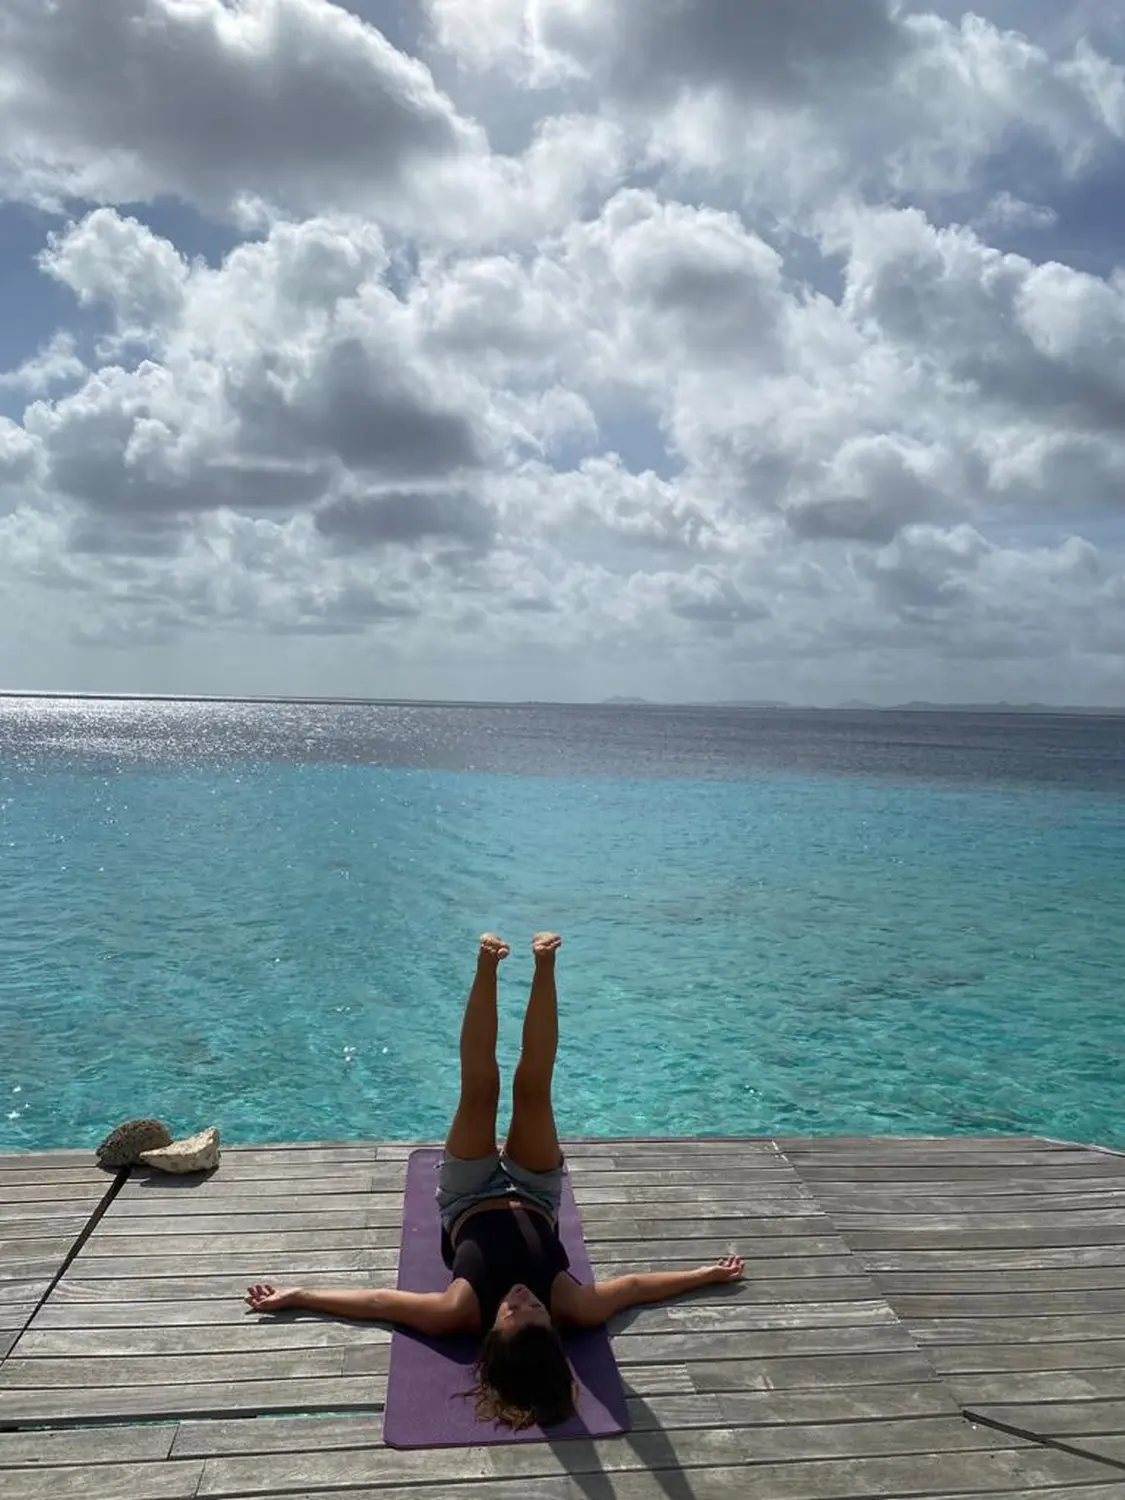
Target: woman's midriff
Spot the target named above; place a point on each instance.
(489, 1203)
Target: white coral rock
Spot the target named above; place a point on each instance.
(196, 1153)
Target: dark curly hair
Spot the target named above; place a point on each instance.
(524, 1379)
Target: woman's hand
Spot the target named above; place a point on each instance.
(265, 1298)
(726, 1270)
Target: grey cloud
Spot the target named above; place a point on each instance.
(971, 315)
(99, 476)
(134, 627)
(348, 611)
(924, 572)
(353, 405)
(715, 603)
(779, 50)
(874, 487)
(406, 517)
(857, 518)
(532, 606)
(292, 100)
(151, 537)
(1089, 399)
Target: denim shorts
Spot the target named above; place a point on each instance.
(462, 1183)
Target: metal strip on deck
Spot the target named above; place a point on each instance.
(47, 1202)
(1006, 1261)
(800, 1383)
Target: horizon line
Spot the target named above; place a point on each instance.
(621, 701)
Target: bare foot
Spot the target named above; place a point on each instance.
(493, 947)
(545, 944)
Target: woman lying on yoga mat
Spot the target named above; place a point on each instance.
(499, 1213)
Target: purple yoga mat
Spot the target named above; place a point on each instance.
(425, 1407)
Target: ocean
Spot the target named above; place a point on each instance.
(264, 916)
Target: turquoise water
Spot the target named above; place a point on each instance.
(283, 949)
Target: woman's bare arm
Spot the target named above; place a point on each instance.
(591, 1306)
(426, 1312)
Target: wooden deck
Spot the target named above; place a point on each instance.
(920, 1317)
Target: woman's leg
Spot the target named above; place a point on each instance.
(473, 1131)
(533, 1141)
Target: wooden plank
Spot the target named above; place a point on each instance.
(1039, 1327)
(658, 1380)
(978, 1390)
(772, 1203)
(671, 1412)
(14, 1315)
(757, 1346)
(225, 1399)
(751, 1179)
(187, 1211)
(17, 1255)
(107, 1481)
(845, 1144)
(8, 1341)
(204, 1399)
(700, 1239)
(1077, 1223)
(27, 1174)
(815, 1176)
(242, 1331)
(254, 1334)
(223, 1222)
(90, 1445)
(819, 1372)
(305, 1434)
(869, 1212)
(125, 1247)
(1069, 1419)
(140, 1311)
(42, 1228)
(141, 1195)
(970, 1282)
(801, 1250)
(731, 1162)
(772, 1482)
(14, 1291)
(984, 1194)
(258, 1474)
(601, 1223)
(1112, 1448)
(201, 1291)
(981, 1160)
(64, 1157)
(635, 1145)
(609, 1259)
(650, 1454)
(304, 1156)
(1076, 1235)
(302, 1439)
(220, 1299)
(16, 1212)
(977, 1258)
(172, 1370)
(293, 1266)
(850, 1403)
(954, 1359)
(1042, 1303)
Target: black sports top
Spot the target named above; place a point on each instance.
(498, 1249)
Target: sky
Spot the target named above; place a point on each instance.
(562, 349)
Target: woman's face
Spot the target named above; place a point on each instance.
(521, 1309)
